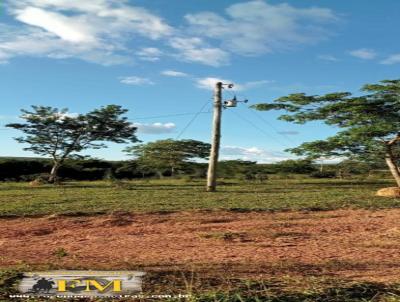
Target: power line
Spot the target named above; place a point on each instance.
(192, 120)
(167, 115)
(259, 129)
(271, 125)
(267, 122)
(146, 117)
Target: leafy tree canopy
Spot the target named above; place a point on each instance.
(56, 133)
(169, 154)
(300, 166)
(368, 124)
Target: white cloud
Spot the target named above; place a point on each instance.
(392, 59)
(98, 31)
(363, 53)
(137, 81)
(174, 73)
(102, 16)
(234, 150)
(106, 31)
(252, 154)
(257, 27)
(37, 43)
(196, 50)
(330, 58)
(209, 83)
(155, 128)
(66, 28)
(151, 54)
(88, 6)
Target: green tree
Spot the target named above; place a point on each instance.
(236, 168)
(369, 124)
(168, 154)
(56, 133)
(349, 166)
(300, 166)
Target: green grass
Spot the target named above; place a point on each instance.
(75, 198)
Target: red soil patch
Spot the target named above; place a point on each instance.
(359, 244)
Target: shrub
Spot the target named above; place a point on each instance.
(323, 174)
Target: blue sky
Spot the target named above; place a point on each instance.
(160, 58)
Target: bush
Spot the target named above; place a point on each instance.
(323, 174)
(261, 177)
(43, 177)
(17, 169)
(298, 166)
(187, 178)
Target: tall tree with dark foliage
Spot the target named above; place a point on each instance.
(369, 124)
(55, 133)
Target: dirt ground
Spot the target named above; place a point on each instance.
(357, 244)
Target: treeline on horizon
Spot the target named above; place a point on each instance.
(29, 169)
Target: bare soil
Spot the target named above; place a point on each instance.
(356, 244)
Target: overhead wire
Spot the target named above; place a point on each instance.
(192, 119)
(279, 132)
(133, 119)
(259, 129)
(271, 125)
(234, 93)
(167, 115)
(196, 114)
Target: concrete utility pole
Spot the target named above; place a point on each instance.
(216, 138)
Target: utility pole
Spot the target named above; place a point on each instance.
(216, 138)
(216, 133)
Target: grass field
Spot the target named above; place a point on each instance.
(222, 289)
(74, 198)
(296, 281)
